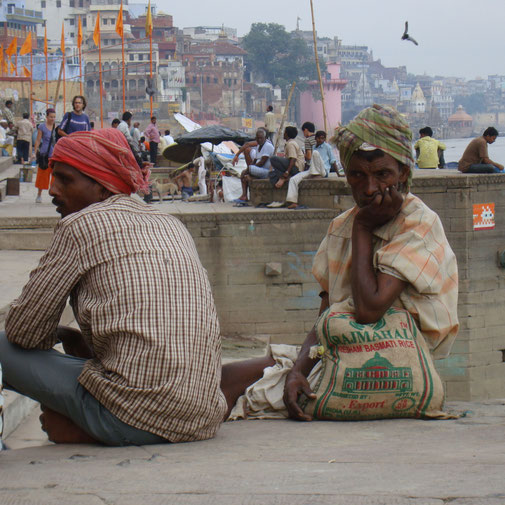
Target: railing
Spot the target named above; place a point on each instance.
(17, 11)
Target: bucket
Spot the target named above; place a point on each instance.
(25, 174)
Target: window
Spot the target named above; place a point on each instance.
(208, 79)
(112, 21)
(43, 4)
(72, 3)
(104, 21)
(194, 79)
(72, 22)
(58, 4)
(132, 57)
(81, 4)
(215, 80)
(141, 57)
(84, 22)
(72, 35)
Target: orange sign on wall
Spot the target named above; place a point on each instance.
(483, 216)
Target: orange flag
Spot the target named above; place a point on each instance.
(5, 67)
(96, 32)
(12, 68)
(26, 48)
(26, 72)
(45, 40)
(13, 47)
(62, 46)
(1, 56)
(79, 33)
(119, 22)
(149, 21)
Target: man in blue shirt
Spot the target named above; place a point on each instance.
(322, 161)
(75, 121)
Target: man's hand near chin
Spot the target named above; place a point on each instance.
(383, 208)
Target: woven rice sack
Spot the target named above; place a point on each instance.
(374, 371)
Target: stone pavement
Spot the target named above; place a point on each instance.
(389, 462)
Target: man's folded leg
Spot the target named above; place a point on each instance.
(50, 377)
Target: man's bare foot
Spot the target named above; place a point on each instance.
(292, 206)
(280, 183)
(61, 430)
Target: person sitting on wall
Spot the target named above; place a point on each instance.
(475, 159)
(292, 163)
(429, 151)
(387, 254)
(322, 160)
(145, 365)
(257, 156)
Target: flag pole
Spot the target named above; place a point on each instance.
(31, 84)
(45, 51)
(100, 74)
(80, 70)
(79, 44)
(122, 55)
(318, 68)
(62, 47)
(151, 68)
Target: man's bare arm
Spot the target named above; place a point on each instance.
(489, 161)
(296, 381)
(373, 293)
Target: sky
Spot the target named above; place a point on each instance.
(462, 38)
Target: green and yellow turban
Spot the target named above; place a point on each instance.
(380, 127)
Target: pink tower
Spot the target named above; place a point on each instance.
(312, 110)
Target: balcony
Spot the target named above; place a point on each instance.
(23, 14)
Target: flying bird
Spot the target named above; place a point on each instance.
(406, 36)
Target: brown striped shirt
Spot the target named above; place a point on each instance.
(142, 300)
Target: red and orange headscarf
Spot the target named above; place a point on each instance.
(105, 156)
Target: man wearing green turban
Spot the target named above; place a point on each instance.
(388, 251)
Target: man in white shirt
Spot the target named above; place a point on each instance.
(124, 127)
(168, 138)
(257, 155)
(6, 141)
(135, 133)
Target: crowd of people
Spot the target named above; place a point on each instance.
(144, 367)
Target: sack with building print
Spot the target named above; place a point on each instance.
(374, 371)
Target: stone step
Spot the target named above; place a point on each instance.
(25, 240)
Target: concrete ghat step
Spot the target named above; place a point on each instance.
(25, 240)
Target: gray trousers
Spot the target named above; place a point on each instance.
(50, 377)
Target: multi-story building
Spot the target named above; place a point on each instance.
(215, 76)
(210, 33)
(16, 20)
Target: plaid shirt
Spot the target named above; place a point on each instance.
(412, 247)
(143, 301)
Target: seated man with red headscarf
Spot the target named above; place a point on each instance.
(145, 365)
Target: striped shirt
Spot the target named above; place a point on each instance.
(412, 247)
(143, 301)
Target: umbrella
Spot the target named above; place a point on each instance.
(214, 134)
(182, 153)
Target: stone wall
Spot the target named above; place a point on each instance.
(475, 368)
(259, 265)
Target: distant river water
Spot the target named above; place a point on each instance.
(455, 148)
